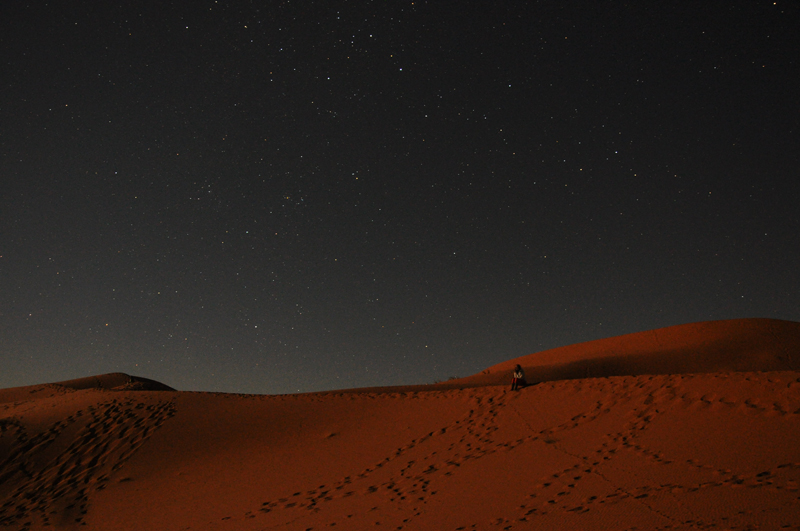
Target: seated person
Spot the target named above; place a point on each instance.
(518, 381)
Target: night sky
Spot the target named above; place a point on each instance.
(284, 196)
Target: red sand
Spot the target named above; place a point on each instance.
(679, 442)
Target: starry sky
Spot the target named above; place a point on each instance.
(285, 196)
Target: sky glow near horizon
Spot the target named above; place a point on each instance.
(285, 197)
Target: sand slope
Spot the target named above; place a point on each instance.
(711, 346)
(639, 451)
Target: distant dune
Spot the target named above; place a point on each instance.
(711, 346)
(688, 427)
(734, 345)
(116, 381)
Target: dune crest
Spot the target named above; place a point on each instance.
(710, 346)
(116, 381)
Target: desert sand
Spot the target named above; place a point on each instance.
(688, 427)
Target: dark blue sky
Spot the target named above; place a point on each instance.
(273, 197)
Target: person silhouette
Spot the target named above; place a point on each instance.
(518, 380)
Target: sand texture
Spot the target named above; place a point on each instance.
(701, 433)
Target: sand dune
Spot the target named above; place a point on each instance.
(711, 346)
(689, 427)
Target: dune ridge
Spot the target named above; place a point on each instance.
(116, 381)
(710, 346)
(735, 345)
(710, 447)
